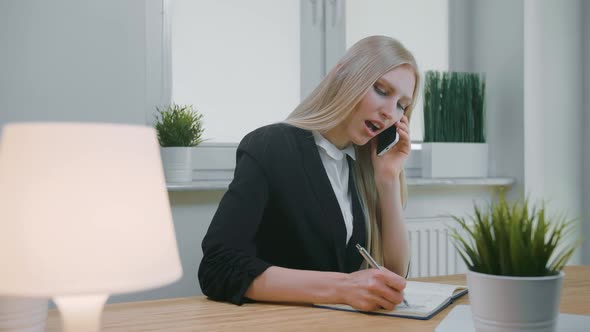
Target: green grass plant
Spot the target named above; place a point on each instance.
(509, 239)
(179, 125)
(454, 105)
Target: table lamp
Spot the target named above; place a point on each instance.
(84, 213)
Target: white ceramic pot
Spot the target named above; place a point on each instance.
(21, 314)
(454, 160)
(509, 304)
(177, 163)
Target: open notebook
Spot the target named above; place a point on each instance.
(425, 300)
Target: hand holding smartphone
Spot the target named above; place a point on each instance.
(386, 139)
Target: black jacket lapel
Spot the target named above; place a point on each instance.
(333, 223)
(359, 230)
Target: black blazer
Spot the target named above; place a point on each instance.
(280, 209)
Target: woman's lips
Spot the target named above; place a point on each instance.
(369, 130)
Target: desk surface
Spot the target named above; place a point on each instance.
(200, 314)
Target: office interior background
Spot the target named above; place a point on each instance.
(244, 64)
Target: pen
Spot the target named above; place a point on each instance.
(373, 263)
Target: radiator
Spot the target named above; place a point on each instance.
(431, 250)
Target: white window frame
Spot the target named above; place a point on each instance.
(322, 44)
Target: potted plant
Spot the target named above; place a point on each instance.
(454, 125)
(515, 254)
(179, 128)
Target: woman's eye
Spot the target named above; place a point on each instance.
(380, 91)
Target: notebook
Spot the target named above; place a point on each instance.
(424, 299)
(459, 319)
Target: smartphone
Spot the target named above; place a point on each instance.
(386, 139)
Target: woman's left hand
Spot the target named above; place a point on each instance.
(388, 166)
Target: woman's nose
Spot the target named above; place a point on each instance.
(390, 112)
(387, 112)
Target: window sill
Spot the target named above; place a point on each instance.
(218, 182)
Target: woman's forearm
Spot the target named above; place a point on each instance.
(394, 236)
(278, 284)
(366, 290)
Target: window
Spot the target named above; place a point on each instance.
(421, 25)
(236, 61)
(244, 64)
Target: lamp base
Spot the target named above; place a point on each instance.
(81, 313)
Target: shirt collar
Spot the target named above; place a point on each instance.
(331, 149)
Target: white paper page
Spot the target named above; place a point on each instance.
(420, 303)
(417, 287)
(425, 297)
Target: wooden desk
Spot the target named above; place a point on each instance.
(200, 314)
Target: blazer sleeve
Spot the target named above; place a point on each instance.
(229, 263)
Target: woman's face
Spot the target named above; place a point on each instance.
(383, 104)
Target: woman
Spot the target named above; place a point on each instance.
(307, 190)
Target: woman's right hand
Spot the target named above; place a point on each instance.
(373, 289)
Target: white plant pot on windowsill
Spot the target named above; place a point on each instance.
(454, 160)
(177, 163)
(505, 304)
(23, 314)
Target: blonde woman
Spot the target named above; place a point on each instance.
(307, 190)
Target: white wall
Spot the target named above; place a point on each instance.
(586, 133)
(498, 52)
(553, 107)
(422, 26)
(480, 44)
(71, 60)
(532, 55)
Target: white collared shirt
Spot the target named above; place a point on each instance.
(336, 166)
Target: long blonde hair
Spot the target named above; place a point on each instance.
(337, 96)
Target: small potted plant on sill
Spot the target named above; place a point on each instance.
(454, 125)
(515, 255)
(179, 128)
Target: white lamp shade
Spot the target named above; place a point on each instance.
(83, 209)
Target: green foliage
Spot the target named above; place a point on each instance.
(511, 240)
(179, 125)
(454, 107)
